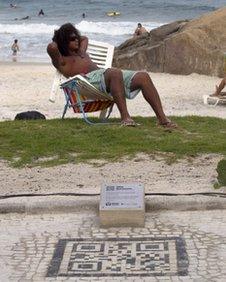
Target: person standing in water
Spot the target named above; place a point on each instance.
(41, 13)
(15, 47)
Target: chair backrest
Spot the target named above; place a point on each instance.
(101, 53)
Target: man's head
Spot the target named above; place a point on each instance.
(15, 41)
(67, 38)
(139, 25)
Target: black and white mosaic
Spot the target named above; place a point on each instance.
(159, 256)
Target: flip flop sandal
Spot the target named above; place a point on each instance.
(130, 123)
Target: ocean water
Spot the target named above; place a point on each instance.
(35, 33)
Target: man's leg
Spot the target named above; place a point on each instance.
(220, 87)
(115, 85)
(142, 80)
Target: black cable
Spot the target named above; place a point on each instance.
(47, 194)
(212, 194)
(188, 194)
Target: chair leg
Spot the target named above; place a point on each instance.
(66, 106)
(74, 87)
(217, 102)
(105, 114)
(109, 111)
(81, 107)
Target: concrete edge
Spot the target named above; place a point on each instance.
(56, 204)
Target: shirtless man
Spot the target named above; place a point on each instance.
(68, 54)
(139, 30)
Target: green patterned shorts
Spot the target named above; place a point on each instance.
(96, 78)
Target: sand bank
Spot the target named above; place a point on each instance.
(186, 176)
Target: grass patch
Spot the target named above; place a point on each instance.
(221, 170)
(53, 142)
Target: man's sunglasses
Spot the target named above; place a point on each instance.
(73, 38)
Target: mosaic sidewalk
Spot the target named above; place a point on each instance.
(173, 246)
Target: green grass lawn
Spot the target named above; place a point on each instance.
(52, 142)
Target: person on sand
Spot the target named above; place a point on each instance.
(220, 88)
(68, 54)
(139, 30)
(15, 47)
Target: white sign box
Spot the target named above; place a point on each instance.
(122, 196)
(122, 204)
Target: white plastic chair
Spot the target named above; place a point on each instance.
(101, 53)
(215, 100)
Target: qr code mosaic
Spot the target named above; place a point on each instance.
(119, 257)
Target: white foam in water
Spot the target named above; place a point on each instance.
(113, 28)
(34, 37)
(108, 28)
(25, 28)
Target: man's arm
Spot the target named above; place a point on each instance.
(136, 32)
(55, 55)
(83, 46)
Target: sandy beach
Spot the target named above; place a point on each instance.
(26, 87)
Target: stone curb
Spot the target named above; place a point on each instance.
(58, 204)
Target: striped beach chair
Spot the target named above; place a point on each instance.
(84, 98)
